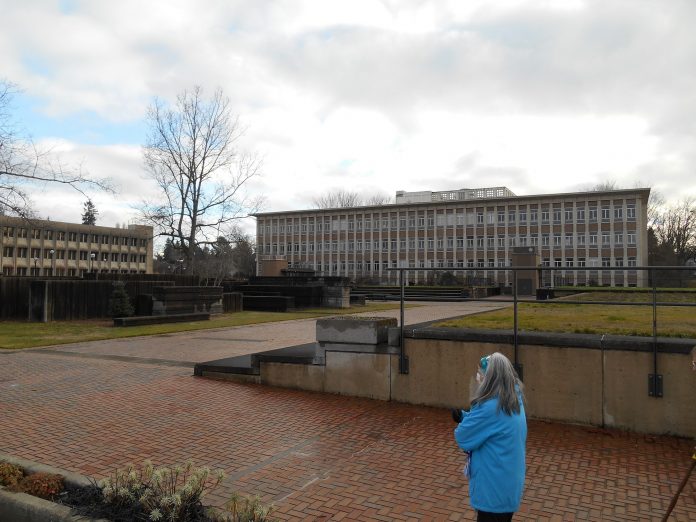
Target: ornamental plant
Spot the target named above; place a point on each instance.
(243, 509)
(43, 485)
(146, 493)
(166, 493)
(10, 474)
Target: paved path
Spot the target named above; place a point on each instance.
(316, 456)
(189, 348)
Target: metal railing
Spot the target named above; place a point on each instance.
(654, 379)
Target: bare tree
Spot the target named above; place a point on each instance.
(341, 198)
(192, 154)
(675, 228)
(378, 199)
(23, 165)
(609, 184)
(656, 203)
(338, 198)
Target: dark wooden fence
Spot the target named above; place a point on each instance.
(14, 298)
(39, 299)
(176, 279)
(232, 302)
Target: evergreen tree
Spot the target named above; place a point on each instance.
(119, 304)
(89, 216)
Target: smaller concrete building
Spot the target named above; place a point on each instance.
(52, 248)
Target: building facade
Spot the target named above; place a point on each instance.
(468, 229)
(52, 248)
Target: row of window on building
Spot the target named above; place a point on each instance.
(376, 266)
(422, 220)
(70, 272)
(50, 235)
(450, 243)
(38, 253)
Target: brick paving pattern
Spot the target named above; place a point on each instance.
(317, 456)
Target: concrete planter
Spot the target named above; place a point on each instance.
(20, 507)
(354, 330)
(352, 334)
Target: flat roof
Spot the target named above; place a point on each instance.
(80, 227)
(596, 194)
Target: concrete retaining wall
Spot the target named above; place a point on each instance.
(568, 378)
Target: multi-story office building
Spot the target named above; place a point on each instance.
(44, 248)
(469, 228)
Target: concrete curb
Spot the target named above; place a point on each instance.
(20, 507)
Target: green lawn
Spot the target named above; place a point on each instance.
(662, 296)
(672, 321)
(17, 335)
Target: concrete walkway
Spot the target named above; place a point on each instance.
(318, 457)
(189, 348)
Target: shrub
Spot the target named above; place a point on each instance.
(166, 493)
(43, 485)
(10, 474)
(119, 304)
(244, 509)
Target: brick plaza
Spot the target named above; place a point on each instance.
(315, 456)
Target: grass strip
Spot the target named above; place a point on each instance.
(598, 319)
(632, 297)
(18, 335)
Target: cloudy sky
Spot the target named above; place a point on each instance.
(371, 96)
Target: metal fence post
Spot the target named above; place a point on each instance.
(518, 366)
(403, 360)
(654, 379)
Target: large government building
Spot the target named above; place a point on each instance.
(467, 229)
(44, 248)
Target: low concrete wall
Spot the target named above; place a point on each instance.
(574, 378)
(577, 380)
(344, 373)
(354, 330)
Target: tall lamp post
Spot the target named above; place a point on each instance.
(53, 262)
(92, 255)
(36, 262)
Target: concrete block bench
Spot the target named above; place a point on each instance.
(161, 319)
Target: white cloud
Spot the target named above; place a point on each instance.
(371, 96)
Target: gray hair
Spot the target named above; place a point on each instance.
(501, 381)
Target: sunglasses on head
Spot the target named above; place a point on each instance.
(484, 363)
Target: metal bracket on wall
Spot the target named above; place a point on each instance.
(655, 385)
(403, 365)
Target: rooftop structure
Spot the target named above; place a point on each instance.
(464, 194)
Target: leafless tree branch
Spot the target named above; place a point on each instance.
(192, 154)
(341, 198)
(23, 164)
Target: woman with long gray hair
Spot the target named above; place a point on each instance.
(494, 433)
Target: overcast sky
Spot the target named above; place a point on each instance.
(371, 96)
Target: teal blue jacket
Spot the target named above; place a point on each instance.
(497, 463)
